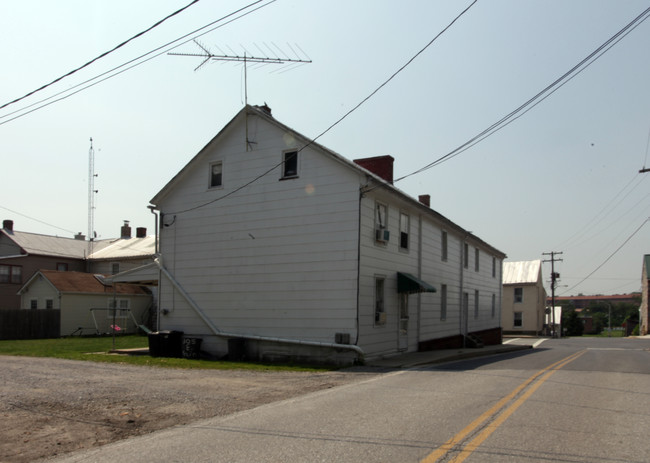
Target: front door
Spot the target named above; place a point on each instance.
(403, 336)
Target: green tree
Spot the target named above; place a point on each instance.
(572, 324)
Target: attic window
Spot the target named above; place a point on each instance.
(216, 175)
(290, 164)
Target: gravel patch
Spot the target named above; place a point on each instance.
(52, 406)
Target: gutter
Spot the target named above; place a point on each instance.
(217, 332)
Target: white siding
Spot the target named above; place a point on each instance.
(277, 258)
(424, 260)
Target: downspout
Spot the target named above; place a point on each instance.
(158, 288)
(361, 196)
(224, 334)
(419, 323)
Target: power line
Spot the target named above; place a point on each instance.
(93, 81)
(392, 76)
(539, 97)
(610, 256)
(313, 140)
(36, 220)
(106, 53)
(604, 212)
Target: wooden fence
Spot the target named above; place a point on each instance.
(30, 324)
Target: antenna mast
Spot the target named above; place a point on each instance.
(91, 196)
(280, 57)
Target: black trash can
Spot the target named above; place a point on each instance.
(237, 349)
(192, 348)
(155, 344)
(166, 344)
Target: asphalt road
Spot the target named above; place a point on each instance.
(573, 400)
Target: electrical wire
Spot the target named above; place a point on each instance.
(392, 76)
(106, 53)
(609, 208)
(36, 220)
(539, 97)
(610, 256)
(93, 81)
(313, 140)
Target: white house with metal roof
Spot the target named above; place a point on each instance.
(524, 298)
(279, 246)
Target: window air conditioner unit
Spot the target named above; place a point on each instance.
(380, 318)
(382, 235)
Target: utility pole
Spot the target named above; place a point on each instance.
(554, 277)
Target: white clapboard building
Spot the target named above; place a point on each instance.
(277, 248)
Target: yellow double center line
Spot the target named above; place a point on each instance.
(466, 450)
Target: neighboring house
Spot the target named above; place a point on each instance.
(644, 315)
(277, 246)
(524, 298)
(22, 254)
(123, 254)
(86, 301)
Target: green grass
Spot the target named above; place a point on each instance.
(97, 349)
(605, 334)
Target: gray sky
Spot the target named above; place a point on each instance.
(563, 177)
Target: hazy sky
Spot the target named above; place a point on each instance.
(563, 177)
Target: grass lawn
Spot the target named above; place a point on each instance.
(605, 334)
(97, 349)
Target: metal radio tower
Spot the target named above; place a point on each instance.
(91, 196)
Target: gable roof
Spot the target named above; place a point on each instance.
(53, 246)
(79, 282)
(380, 182)
(522, 272)
(125, 248)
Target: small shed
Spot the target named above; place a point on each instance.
(88, 303)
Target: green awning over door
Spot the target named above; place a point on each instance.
(407, 283)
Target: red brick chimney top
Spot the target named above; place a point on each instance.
(382, 166)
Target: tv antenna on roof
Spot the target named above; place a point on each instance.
(281, 57)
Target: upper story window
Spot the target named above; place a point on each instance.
(11, 274)
(216, 175)
(476, 259)
(519, 294)
(381, 216)
(62, 266)
(403, 231)
(289, 164)
(115, 268)
(494, 267)
(444, 246)
(465, 255)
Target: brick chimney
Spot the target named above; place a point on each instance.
(125, 232)
(8, 225)
(425, 199)
(141, 232)
(382, 166)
